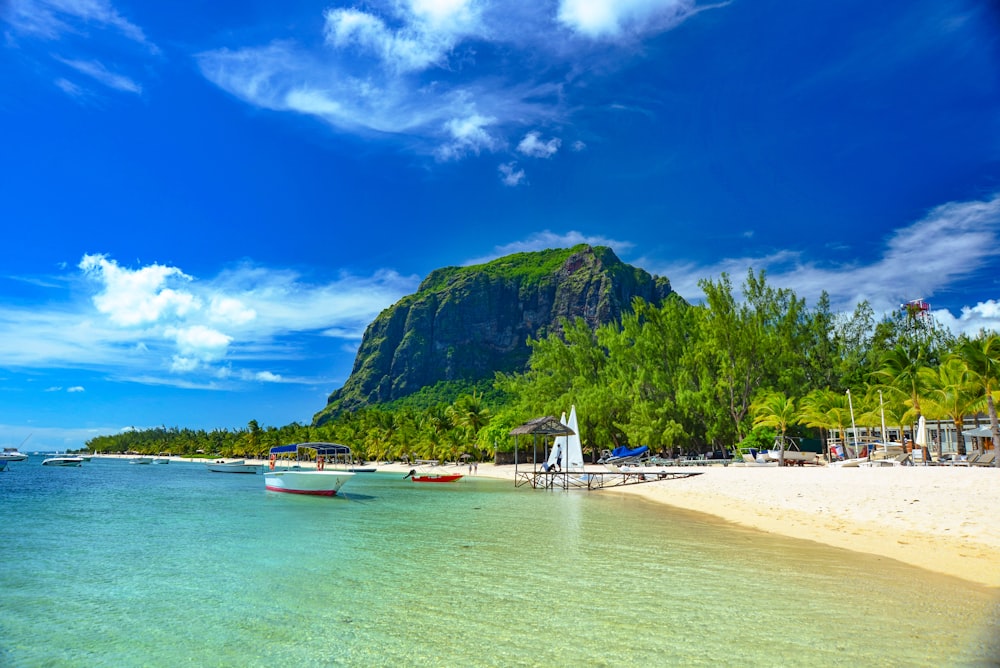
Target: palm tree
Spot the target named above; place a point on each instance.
(899, 374)
(814, 411)
(775, 410)
(982, 356)
(953, 392)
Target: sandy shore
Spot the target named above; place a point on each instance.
(943, 519)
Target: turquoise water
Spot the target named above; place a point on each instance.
(114, 564)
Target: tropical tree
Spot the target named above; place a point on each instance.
(953, 392)
(982, 356)
(900, 374)
(774, 409)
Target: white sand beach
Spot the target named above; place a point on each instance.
(940, 518)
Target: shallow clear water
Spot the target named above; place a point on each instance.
(114, 564)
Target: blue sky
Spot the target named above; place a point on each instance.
(204, 204)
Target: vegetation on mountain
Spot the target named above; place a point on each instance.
(464, 324)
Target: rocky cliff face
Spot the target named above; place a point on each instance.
(465, 323)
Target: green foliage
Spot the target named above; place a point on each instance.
(759, 438)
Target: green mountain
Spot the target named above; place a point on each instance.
(466, 323)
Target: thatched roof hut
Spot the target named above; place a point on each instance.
(542, 426)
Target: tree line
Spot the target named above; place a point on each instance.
(676, 377)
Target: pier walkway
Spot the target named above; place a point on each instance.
(595, 480)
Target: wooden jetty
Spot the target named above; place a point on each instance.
(594, 480)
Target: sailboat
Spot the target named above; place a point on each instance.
(567, 452)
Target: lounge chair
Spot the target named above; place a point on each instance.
(986, 459)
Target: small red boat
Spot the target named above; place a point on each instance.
(432, 477)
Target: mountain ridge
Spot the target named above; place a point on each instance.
(467, 323)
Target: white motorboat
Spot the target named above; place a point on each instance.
(318, 481)
(12, 455)
(63, 460)
(161, 460)
(141, 460)
(235, 466)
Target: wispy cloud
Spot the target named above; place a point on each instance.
(425, 69)
(54, 19)
(101, 74)
(950, 244)
(158, 323)
(81, 35)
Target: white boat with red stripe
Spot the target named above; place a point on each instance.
(290, 470)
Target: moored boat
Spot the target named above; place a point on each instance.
(12, 455)
(318, 481)
(432, 477)
(141, 460)
(63, 461)
(235, 466)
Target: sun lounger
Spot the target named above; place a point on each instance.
(986, 459)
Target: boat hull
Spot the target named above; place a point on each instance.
(232, 467)
(63, 461)
(314, 483)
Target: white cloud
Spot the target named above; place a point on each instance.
(51, 19)
(468, 135)
(75, 389)
(138, 323)
(100, 73)
(136, 297)
(532, 146)
(510, 175)
(421, 70)
(606, 19)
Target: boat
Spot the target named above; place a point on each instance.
(432, 477)
(63, 460)
(235, 466)
(12, 455)
(141, 460)
(318, 481)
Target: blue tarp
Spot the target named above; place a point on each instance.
(622, 451)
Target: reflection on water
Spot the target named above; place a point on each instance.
(169, 565)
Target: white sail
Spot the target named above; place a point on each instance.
(573, 459)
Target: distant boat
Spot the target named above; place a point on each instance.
(235, 466)
(63, 461)
(141, 460)
(161, 460)
(318, 481)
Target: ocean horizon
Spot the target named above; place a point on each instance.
(112, 564)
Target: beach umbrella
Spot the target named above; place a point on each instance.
(921, 438)
(979, 432)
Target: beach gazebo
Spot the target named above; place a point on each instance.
(541, 426)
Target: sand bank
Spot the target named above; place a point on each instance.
(944, 519)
